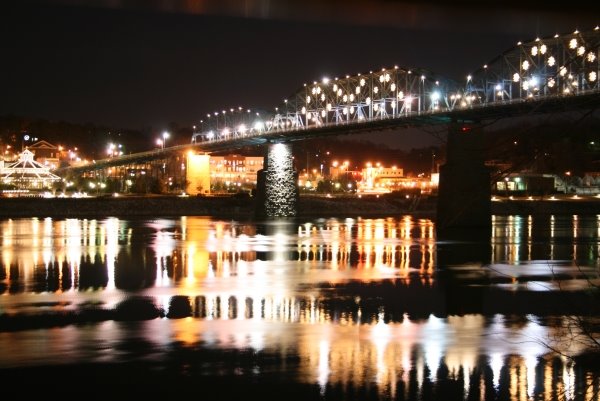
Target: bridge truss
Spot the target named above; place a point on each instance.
(552, 69)
(542, 75)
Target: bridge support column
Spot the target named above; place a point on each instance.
(277, 186)
(464, 197)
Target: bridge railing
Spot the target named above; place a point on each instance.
(233, 135)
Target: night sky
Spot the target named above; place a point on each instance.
(142, 64)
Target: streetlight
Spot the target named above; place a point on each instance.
(165, 135)
(111, 149)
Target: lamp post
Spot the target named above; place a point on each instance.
(165, 135)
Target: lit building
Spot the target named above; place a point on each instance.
(339, 171)
(206, 173)
(27, 174)
(532, 184)
(198, 174)
(45, 153)
(381, 179)
(234, 170)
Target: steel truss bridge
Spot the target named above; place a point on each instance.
(549, 74)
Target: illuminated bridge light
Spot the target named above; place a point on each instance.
(573, 44)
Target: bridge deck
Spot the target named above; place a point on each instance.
(519, 107)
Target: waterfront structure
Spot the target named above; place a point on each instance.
(235, 170)
(338, 171)
(27, 174)
(526, 183)
(380, 179)
(544, 184)
(209, 174)
(198, 174)
(543, 75)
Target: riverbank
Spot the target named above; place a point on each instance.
(535, 205)
(230, 207)
(241, 208)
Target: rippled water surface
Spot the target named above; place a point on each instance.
(347, 308)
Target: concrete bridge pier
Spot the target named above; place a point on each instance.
(464, 197)
(277, 186)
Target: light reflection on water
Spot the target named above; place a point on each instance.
(375, 302)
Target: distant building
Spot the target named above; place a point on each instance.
(198, 174)
(27, 174)
(221, 173)
(46, 153)
(235, 170)
(391, 179)
(526, 183)
(383, 179)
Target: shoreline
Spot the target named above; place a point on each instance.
(243, 208)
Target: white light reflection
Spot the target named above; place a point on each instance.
(435, 338)
(323, 367)
(111, 228)
(569, 379)
(466, 329)
(47, 242)
(530, 364)
(496, 363)
(163, 246)
(380, 334)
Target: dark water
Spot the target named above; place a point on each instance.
(322, 309)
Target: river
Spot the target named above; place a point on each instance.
(353, 308)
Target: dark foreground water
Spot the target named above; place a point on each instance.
(326, 309)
